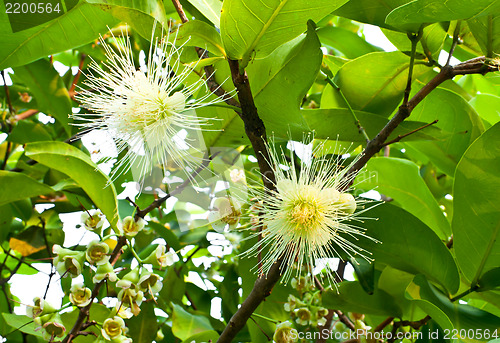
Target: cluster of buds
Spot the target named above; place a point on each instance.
(307, 309)
(47, 318)
(132, 288)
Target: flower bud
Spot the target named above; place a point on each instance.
(130, 279)
(80, 295)
(150, 282)
(97, 253)
(303, 315)
(159, 258)
(112, 328)
(40, 308)
(93, 222)
(68, 262)
(284, 333)
(130, 227)
(104, 271)
(292, 303)
(54, 327)
(130, 301)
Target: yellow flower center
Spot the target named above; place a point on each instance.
(305, 213)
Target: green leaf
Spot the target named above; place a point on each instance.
(489, 280)
(140, 14)
(17, 186)
(436, 304)
(47, 87)
(376, 82)
(409, 17)
(280, 82)
(174, 286)
(433, 37)
(22, 323)
(5, 220)
(205, 336)
(211, 9)
(400, 179)
(185, 324)
(57, 35)
(250, 28)
(77, 165)
(365, 273)
(338, 122)
(27, 131)
(476, 219)
(143, 327)
(486, 30)
(370, 11)
(352, 298)
(455, 116)
(347, 42)
(199, 33)
(408, 245)
(487, 106)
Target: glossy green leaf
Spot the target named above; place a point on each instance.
(27, 131)
(251, 29)
(280, 81)
(487, 106)
(174, 286)
(455, 116)
(211, 9)
(205, 336)
(338, 122)
(489, 280)
(394, 282)
(139, 14)
(352, 298)
(22, 323)
(5, 220)
(413, 14)
(376, 82)
(370, 11)
(348, 43)
(408, 245)
(459, 315)
(17, 186)
(47, 87)
(200, 34)
(77, 165)
(365, 273)
(400, 180)
(185, 324)
(55, 36)
(476, 219)
(143, 328)
(486, 30)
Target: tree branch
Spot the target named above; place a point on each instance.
(474, 66)
(84, 311)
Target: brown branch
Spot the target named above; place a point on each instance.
(400, 137)
(26, 114)
(84, 311)
(328, 327)
(382, 325)
(474, 66)
(415, 325)
(71, 90)
(344, 319)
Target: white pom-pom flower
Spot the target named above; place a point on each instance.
(309, 216)
(147, 111)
